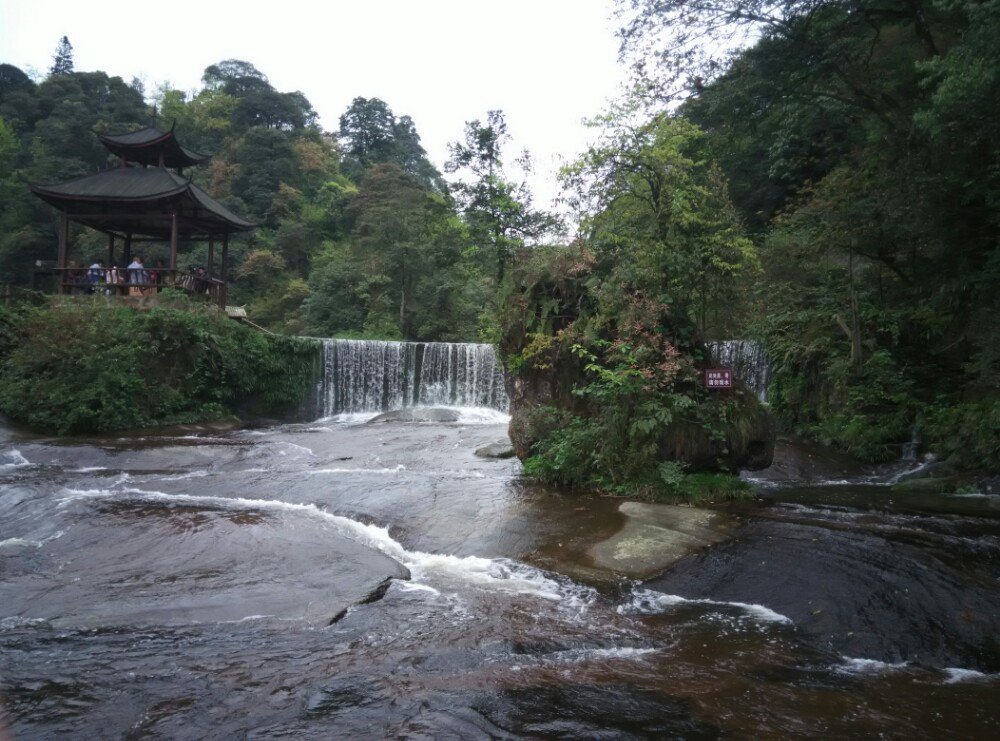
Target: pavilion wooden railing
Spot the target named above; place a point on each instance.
(147, 282)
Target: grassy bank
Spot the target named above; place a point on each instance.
(85, 366)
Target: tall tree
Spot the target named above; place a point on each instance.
(498, 210)
(405, 232)
(257, 103)
(372, 135)
(367, 129)
(650, 197)
(62, 61)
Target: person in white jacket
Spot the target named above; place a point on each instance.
(136, 273)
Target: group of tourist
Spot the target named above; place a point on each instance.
(136, 280)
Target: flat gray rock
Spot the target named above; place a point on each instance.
(417, 414)
(499, 449)
(153, 559)
(657, 535)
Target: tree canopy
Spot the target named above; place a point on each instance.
(498, 210)
(358, 236)
(860, 144)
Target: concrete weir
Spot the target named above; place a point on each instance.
(381, 376)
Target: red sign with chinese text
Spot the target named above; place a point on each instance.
(719, 378)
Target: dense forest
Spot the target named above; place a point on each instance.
(359, 233)
(821, 176)
(861, 144)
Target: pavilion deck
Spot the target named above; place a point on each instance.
(80, 281)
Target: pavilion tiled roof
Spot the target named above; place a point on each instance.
(150, 146)
(140, 200)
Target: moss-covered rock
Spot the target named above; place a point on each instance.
(607, 390)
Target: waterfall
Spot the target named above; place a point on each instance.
(377, 376)
(747, 360)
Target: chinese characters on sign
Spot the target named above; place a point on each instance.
(719, 378)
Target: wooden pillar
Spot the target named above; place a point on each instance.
(111, 250)
(211, 257)
(127, 257)
(63, 250)
(173, 244)
(224, 271)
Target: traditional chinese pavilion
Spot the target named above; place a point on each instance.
(146, 199)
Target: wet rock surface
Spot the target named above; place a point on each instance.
(582, 711)
(138, 558)
(806, 463)
(894, 588)
(165, 553)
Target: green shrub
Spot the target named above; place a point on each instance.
(968, 433)
(568, 453)
(93, 367)
(581, 452)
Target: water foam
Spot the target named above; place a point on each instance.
(350, 418)
(184, 476)
(296, 446)
(481, 416)
(466, 416)
(398, 469)
(622, 653)
(28, 543)
(463, 473)
(16, 621)
(649, 602)
(16, 460)
(409, 586)
(20, 543)
(868, 666)
(955, 675)
(501, 574)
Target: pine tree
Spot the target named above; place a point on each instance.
(62, 61)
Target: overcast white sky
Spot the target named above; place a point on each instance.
(546, 63)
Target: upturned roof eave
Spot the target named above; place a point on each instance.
(228, 222)
(113, 142)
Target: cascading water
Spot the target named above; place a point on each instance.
(376, 376)
(748, 361)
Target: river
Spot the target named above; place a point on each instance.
(196, 583)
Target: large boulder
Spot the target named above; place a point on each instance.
(561, 332)
(747, 444)
(417, 414)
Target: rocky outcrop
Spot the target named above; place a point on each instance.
(748, 443)
(560, 332)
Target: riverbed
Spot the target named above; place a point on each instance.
(355, 579)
